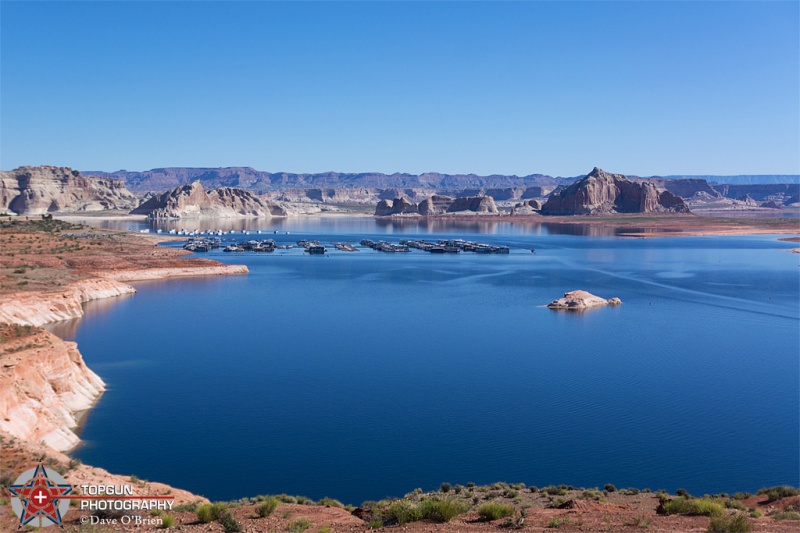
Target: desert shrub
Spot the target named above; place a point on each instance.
(167, 521)
(299, 525)
(735, 504)
(776, 493)
(630, 491)
(285, 498)
(204, 514)
(402, 512)
(268, 507)
(558, 522)
(229, 524)
(554, 491)
(444, 487)
(689, 506)
(786, 515)
(495, 510)
(730, 524)
(303, 500)
(741, 495)
(444, 509)
(755, 513)
(189, 507)
(329, 502)
(683, 492)
(375, 524)
(533, 488)
(609, 488)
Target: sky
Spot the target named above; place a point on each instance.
(645, 88)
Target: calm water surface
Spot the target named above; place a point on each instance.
(363, 375)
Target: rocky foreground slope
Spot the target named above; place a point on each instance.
(603, 193)
(48, 189)
(193, 201)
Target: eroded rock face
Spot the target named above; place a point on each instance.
(578, 300)
(601, 193)
(528, 207)
(48, 189)
(192, 201)
(398, 206)
(43, 383)
(435, 205)
(475, 204)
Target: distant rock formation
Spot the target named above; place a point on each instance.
(435, 205)
(602, 193)
(398, 206)
(578, 300)
(770, 205)
(528, 207)
(474, 204)
(48, 189)
(192, 201)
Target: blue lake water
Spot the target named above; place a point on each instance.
(364, 375)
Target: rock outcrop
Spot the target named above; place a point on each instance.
(192, 201)
(603, 193)
(38, 308)
(48, 189)
(528, 207)
(43, 384)
(398, 206)
(474, 204)
(578, 300)
(435, 205)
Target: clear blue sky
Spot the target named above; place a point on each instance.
(515, 88)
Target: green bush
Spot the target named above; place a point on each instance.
(444, 509)
(402, 512)
(375, 524)
(776, 493)
(609, 488)
(689, 506)
(299, 525)
(210, 512)
(444, 487)
(730, 524)
(786, 515)
(329, 502)
(495, 510)
(268, 507)
(229, 524)
(167, 521)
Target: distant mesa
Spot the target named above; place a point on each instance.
(770, 205)
(437, 205)
(579, 300)
(602, 193)
(49, 189)
(192, 201)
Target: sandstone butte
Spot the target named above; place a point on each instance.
(579, 300)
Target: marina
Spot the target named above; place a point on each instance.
(314, 247)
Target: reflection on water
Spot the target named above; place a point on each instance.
(370, 225)
(66, 329)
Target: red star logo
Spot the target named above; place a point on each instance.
(40, 497)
